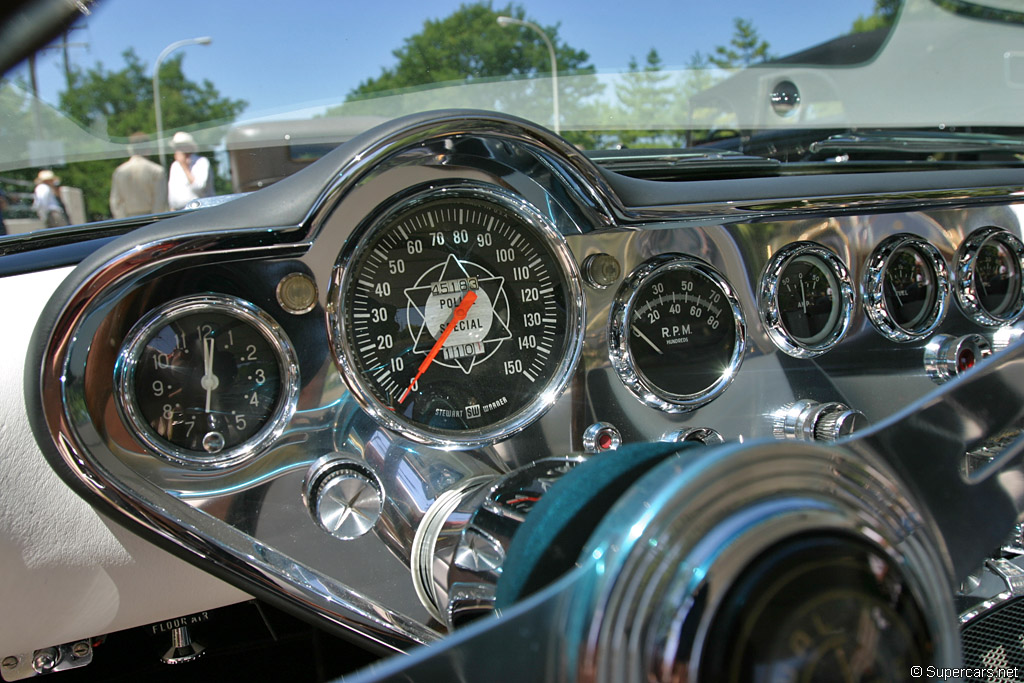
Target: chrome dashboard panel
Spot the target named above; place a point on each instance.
(252, 524)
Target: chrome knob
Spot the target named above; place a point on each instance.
(345, 500)
(814, 421)
(946, 356)
(836, 423)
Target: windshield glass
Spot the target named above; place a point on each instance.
(248, 93)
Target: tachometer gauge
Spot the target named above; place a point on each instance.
(677, 333)
(457, 316)
(906, 288)
(206, 381)
(806, 299)
(988, 277)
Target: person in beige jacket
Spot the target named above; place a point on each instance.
(138, 186)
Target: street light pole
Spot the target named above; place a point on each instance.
(205, 40)
(508, 21)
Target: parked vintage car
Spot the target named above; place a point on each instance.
(460, 390)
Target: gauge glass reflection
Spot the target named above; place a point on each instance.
(203, 379)
(997, 278)
(909, 288)
(808, 299)
(678, 332)
(906, 287)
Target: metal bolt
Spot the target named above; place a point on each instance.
(10, 662)
(80, 649)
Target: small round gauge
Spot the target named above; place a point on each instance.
(457, 316)
(677, 333)
(806, 299)
(989, 270)
(207, 380)
(906, 287)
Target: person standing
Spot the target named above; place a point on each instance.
(138, 186)
(190, 177)
(47, 203)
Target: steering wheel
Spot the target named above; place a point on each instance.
(760, 561)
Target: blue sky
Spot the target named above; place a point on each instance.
(275, 54)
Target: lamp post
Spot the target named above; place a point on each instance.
(509, 21)
(205, 40)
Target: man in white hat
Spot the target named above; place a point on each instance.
(46, 202)
(189, 177)
(138, 186)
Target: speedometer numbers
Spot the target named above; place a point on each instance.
(807, 299)
(677, 333)
(457, 316)
(206, 381)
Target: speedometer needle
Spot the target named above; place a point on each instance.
(458, 314)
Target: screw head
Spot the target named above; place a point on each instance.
(80, 649)
(10, 662)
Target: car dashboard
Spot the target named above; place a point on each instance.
(350, 392)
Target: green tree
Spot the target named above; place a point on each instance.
(745, 47)
(470, 46)
(884, 16)
(646, 95)
(119, 103)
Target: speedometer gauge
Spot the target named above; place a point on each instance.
(906, 287)
(989, 270)
(457, 317)
(677, 333)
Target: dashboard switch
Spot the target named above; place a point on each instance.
(947, 356)
(600, 437)
(814, 421)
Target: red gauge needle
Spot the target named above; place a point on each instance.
(458, 314)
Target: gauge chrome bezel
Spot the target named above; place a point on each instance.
(142, 332)
(545, 231)
(966, 291)
(620, 351)
(769, 299)
(874, 286)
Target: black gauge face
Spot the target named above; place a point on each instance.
(997, 278)
(681, 330)
(808, 299)
(909, 289)
(458, 317)
(819, 609)
(203, 380)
